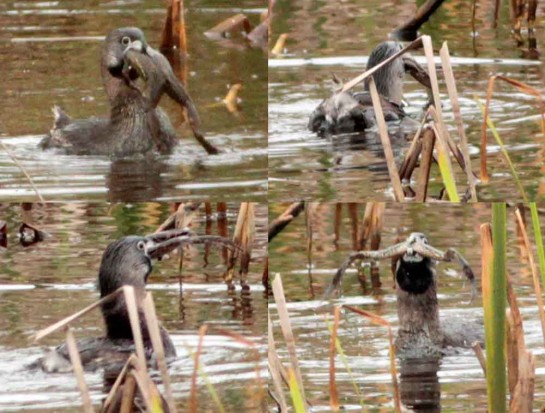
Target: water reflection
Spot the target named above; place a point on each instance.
(137, 180)
(455, 382)
(50, 56)
(43, 283)
(419, 385)
(337, 40)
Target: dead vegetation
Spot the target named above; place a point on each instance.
(136, 386)
(519, 364)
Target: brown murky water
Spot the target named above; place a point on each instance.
(336, 38)
(454, 383)
(45, 282)
(49, 54)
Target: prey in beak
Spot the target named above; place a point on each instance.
(161, 243)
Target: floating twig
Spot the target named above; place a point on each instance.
(280, 44)
(23, 170)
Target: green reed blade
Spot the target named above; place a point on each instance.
(295, 391)
(496, 135)
(494, 303)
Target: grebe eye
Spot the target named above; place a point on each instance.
(126, 40)
(141, 245)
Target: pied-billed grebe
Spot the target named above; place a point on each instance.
(127, 261)
(347, 112)
(420, 333)
(136, 125)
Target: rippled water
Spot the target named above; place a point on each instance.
(46, 282)
(337, 38)
(49, 54)
(456, 382)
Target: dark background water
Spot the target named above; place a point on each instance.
(46, 282)
(335, 37)
(50, 54)
(459, 381)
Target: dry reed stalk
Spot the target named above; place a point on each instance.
(243, 237)
(358, 79)
(158, 349)
(523, 87)
(65, 321)
(515, 312)
(411, 158)
(386, 144)
(366, 226)
(285, 325)
(333, 393)
(453, 96)
(134, 318)
(193, 405)
(521, 365)
(78, 371)
(275, 367)
(484, 169)
(515, 337)
(129, 392)
(533, 268)
(375, 319)
(371, 227)
(428, 143)
(131, 362)
(178, 25)
(144, 382)
(148, 390)
(441, 132)
(522, 397)
(166, 34)
(377, 224)
(476, 346)
(428, 51)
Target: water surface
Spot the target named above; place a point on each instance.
(50, 54)
(455, 382)
(46, 282)
(328, 38)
